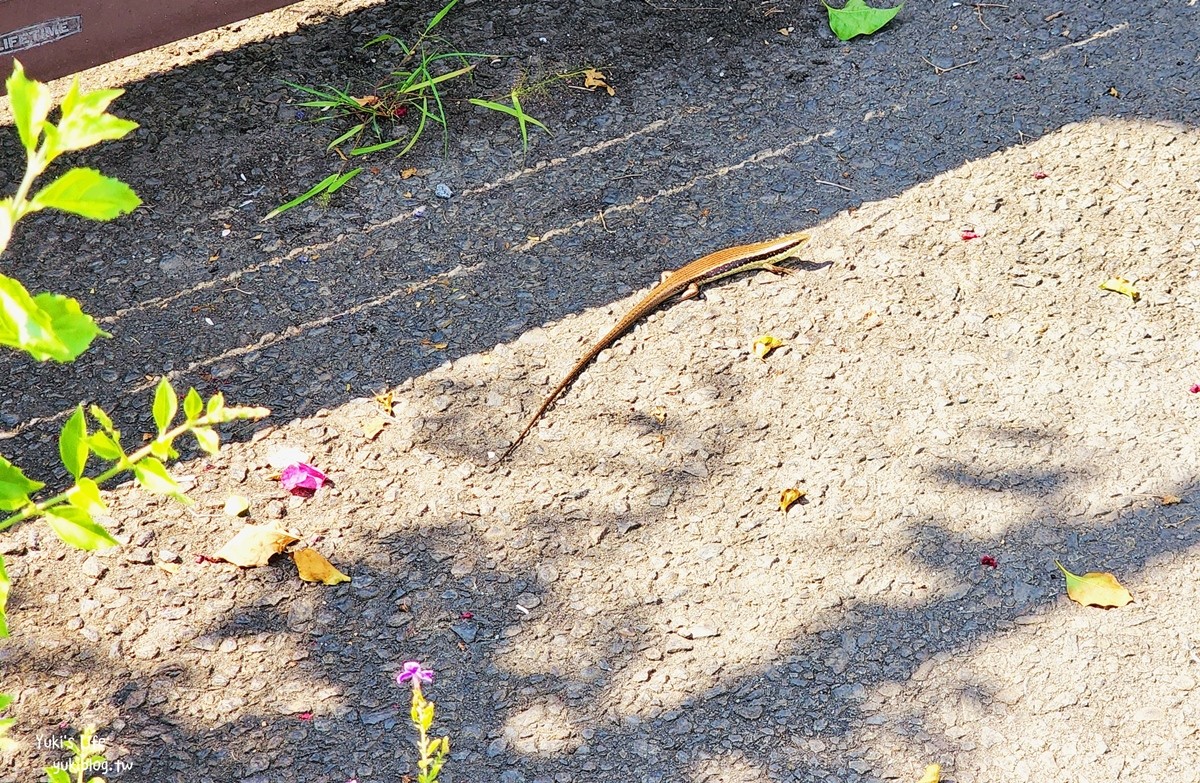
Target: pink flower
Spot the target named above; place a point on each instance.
(1195, 389)
(300, 478)
(414, 671)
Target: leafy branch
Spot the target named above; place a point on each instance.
(53, 326)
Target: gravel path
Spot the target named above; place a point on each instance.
(623, 600)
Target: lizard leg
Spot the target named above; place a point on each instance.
(779, 270)
(691, 292)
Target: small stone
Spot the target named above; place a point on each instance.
(274, 510)
(167, 556)
(595, 533)
(676, 644)
(93, 567)
(699, 632)
(442, 190)
(749, 711)
(511, 776)
(139, 555)
(626, 525)
(497, 747)
(661, 498)
(465, 631)
(860, 766)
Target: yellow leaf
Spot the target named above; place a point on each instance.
(386, 400)
(659, 413)
(1095, 589)
(788, 498)
(236, 505)
(313, 567)
(170, 568)
(1114, 92)
(933, 774)
(408, 173)
(765, 344)
(594, 78)
(372, 427)
(1120, 285)
(254, 545)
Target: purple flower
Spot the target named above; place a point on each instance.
(300, 478)
(416, 673)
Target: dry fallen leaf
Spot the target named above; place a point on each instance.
(1095, 589)
(170, 568)
(408, 173)
(236, 505)
(313, 567)
(372, 427)
(659, 413)
(1114, 92)
(765, 344)
(593, 78)
(788, 498)
(386, 400)
(367, 100)
(1120, 285)
(254, 545)
(1170, 500)
(933, 774)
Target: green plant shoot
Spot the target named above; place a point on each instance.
(52, 326)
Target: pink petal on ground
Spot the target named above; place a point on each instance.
(300, 478)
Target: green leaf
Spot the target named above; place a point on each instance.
(153, 476)
(72, 443)
(30, 101)
(5, 699)
(75, 527)
(46, 326)
(5, 586)
(87, 123)
(357, 129)
(216, 408)
(74, 328)
(105, 447)
(440, 15)
(166, 405)
(15, 488)
(193, 405)
(86, 495)
(208, 439)
(330, 183)
(514, 111)
(164, 450)
(857, 18)
(383, 145)
(99, 415)
(57, 775)
(88, 193)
